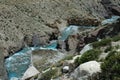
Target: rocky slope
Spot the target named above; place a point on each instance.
(35, 22)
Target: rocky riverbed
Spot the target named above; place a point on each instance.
(66, 26)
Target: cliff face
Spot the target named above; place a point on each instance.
(20, 20)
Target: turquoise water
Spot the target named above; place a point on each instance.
(113, 19)
(53, 45)
(68, 31)
(18, 63)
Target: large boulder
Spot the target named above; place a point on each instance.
(44, 59)
(86, 71)
(73, 42)
(30, 72)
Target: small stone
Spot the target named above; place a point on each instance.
(65, 69)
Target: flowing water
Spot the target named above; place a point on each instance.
(113, 19)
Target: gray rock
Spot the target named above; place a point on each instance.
(61, 45)
(44, 59)
(73, 42)
(86, 70)
(86, 48)
(65, 69)
(3, 73)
